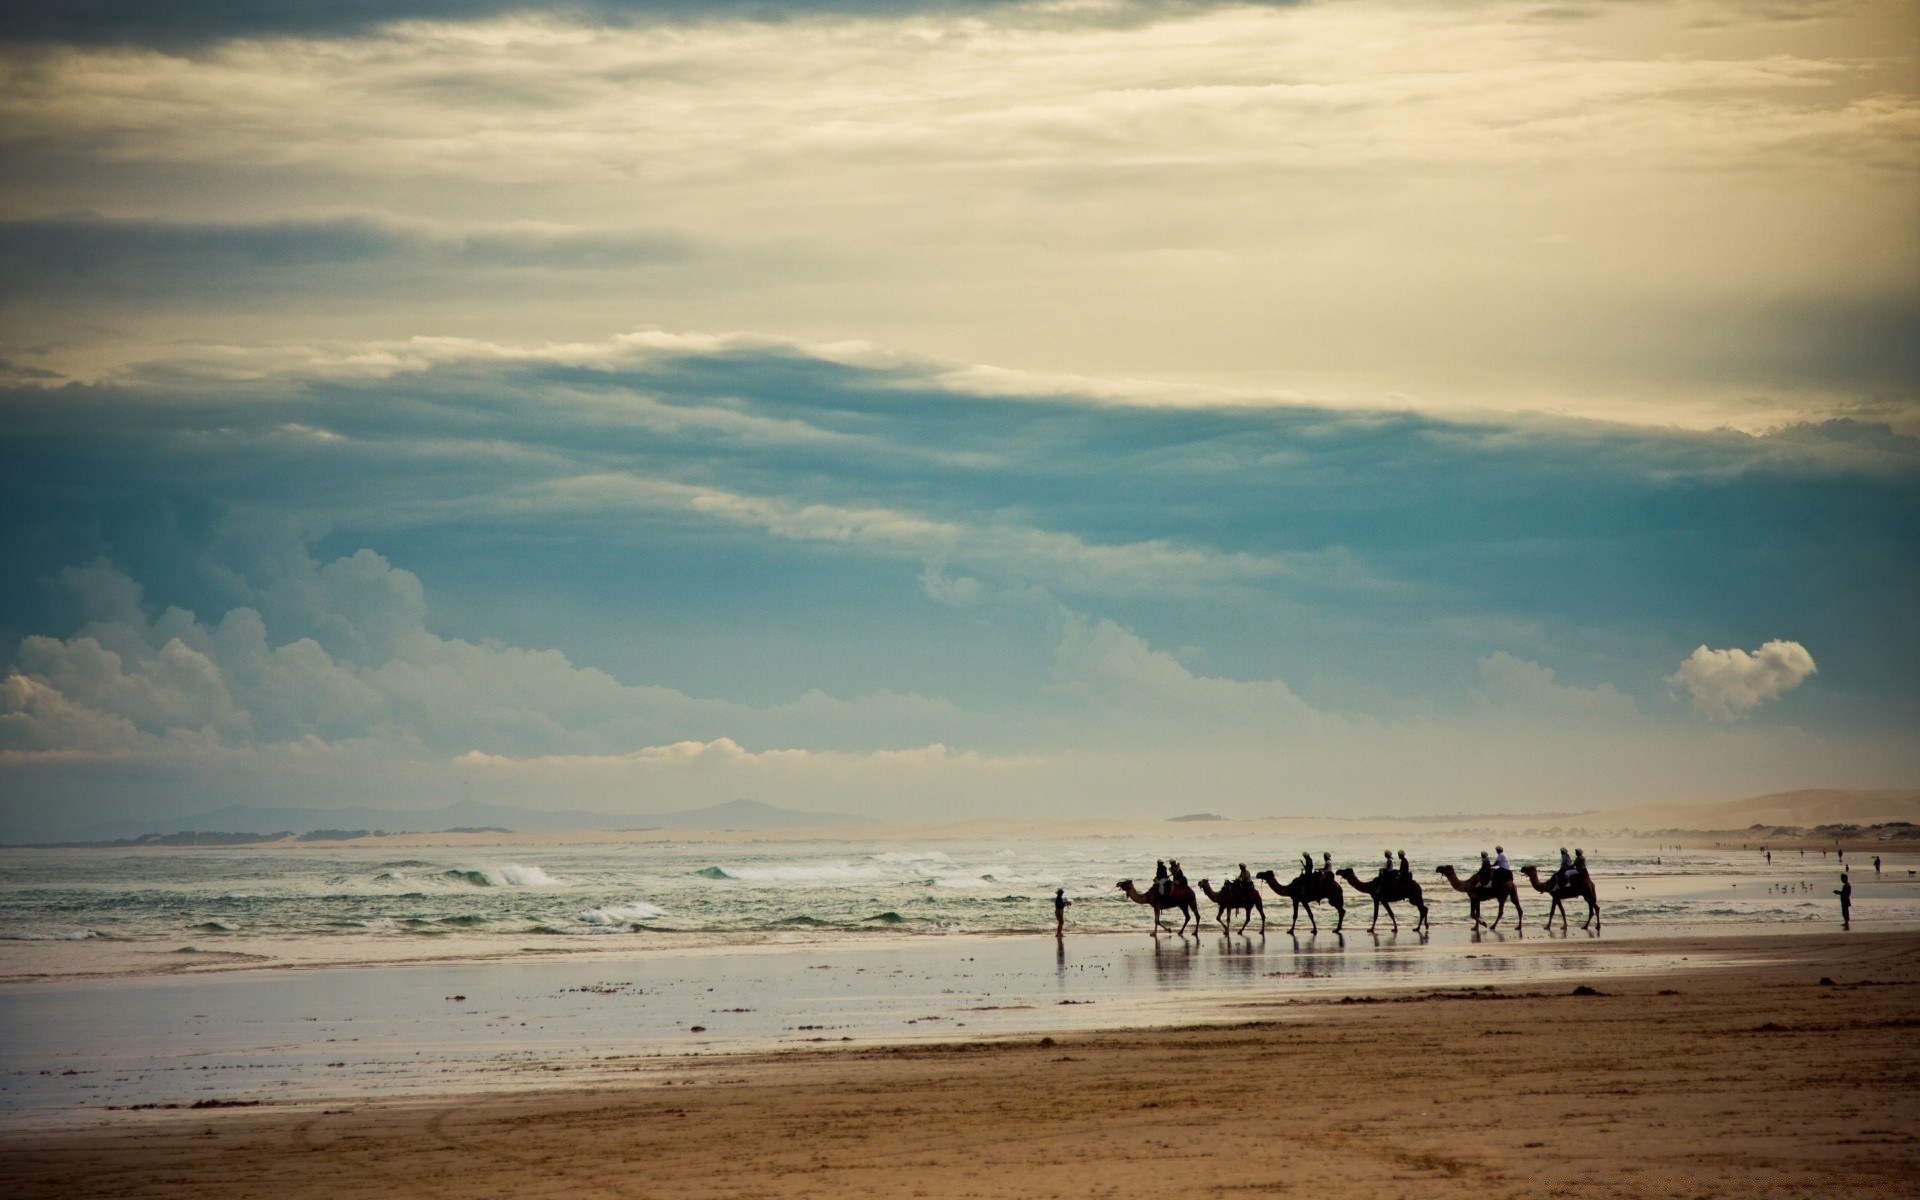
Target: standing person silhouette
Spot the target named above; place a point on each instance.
(1060, 906)
(1845, 892)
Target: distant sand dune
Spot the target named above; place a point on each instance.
(1807, 808)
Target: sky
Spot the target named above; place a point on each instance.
(950, 410)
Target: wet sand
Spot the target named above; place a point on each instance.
(1750, 1080)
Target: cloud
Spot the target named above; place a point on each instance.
(1585, 237)
(366, 670)
(184, 24)
(174, 259)
(1528, 690)
(1728, 683)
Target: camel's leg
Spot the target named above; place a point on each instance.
(1340, 909)
(1392, 918)
(1376, 915)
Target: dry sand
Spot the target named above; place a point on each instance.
(1753, 1081)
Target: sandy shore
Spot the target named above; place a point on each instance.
(1746, 1081)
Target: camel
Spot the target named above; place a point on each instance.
(1235, 895)
(1580, 885)
(1177, 897)
(1307, 890)
(1385, 891)
(1476, 892)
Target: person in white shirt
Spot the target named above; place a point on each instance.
(1502, 869)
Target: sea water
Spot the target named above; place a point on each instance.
(724, 893)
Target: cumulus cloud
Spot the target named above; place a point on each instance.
(1728, 683)
(364, 669)
(1525, 688)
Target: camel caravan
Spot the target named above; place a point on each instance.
(1393, 884)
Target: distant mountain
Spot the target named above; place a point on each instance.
(465, 815)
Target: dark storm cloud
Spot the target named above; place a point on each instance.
(102, 21)
(115, 256)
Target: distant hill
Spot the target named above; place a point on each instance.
(467, 815)
(1806, 808)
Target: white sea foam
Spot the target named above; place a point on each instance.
(620, 914)
(61, 935)
(839, 874)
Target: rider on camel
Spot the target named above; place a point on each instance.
(1386, 871)
(1326, 863)
(1565, 873)
(1503, 870)
(1406, 871)
(1485, 873)
(1160, 876)
(1306, 863)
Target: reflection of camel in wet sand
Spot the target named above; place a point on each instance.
(1177, 897)
(1476, 891)
(1385, 893)
(1580, 885)
(1306, 891)
(1235, 895)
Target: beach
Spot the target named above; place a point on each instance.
(1760, 1065)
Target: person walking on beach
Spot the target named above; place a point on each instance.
(1060, 906)
(1845, 892)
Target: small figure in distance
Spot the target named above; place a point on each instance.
(1060, 906)
(1845, 892)
(1876, 865)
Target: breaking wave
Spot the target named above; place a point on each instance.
(510, 875)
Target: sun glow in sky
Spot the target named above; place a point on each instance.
(935, 410)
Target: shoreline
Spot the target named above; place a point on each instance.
(1766, 1077)
(101, 960)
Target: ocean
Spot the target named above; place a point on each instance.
(700, 892)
